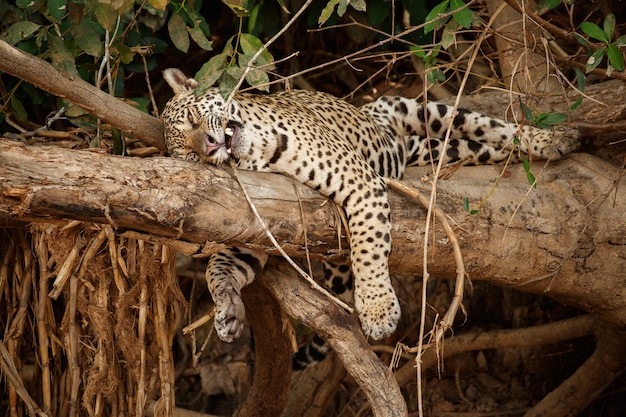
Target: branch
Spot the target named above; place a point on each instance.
(102, 105)
(342, 332)
(556, 244)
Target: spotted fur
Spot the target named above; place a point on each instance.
(344, 152)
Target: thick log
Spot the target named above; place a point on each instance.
(565, 239)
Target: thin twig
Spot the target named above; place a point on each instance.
(432, 204)
(262, 49)
(279, 248)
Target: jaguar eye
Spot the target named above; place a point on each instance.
(191, 118)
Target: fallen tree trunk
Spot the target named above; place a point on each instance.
(565, 239)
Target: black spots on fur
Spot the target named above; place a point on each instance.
(479, 132)
(432, 154)
(494, 124)
(281, 146)
(453, 151)
(421, 115)
(484, 157)
(442, 109)
(474, 146)
(401, 108)
(460, 119)
(435, 126)
(250, 260)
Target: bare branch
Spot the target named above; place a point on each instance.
(105, 107)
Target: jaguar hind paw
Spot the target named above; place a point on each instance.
(229, 313)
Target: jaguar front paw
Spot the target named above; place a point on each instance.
(229, 313)
(379, 314)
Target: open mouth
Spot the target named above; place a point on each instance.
(231, 135)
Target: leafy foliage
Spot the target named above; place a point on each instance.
(83, 37)
(610, 48)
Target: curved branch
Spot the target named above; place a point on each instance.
(102, 105)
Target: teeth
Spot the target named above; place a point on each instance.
(229, 131)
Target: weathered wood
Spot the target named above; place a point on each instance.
(342, 332)
(565, 239)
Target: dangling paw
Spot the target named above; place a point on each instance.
(379, 312)
(229, 312)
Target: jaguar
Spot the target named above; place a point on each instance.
(345, 153)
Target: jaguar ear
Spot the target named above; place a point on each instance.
(179, 82)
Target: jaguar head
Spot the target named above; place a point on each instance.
(199, 128)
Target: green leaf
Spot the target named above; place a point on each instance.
(594, 31)
(466, 206)
(19, 109)
(448, 37)
(105, 14)
(581, 40)
(327, 11)
(359, 5)
(60, 57)
(210, 72)
(259, 79)
(595, 59)
(178, 32)
(229, 80)
(250, 44)
(577, 103)
(159, 4)
(432, 20)
(462, 17)
(609, 26)
(254, 17)
(547, 120)
(239, 7)
(528, 113)
(200, 38)
(19, 31)
(125, 53)
(119, 145)
(548, 4)
(531, 179)
(418, 51)
(87, 38)
(621, 41)
(57, 9)
(23, 4)
(580, 77)
(435, 76)
(615, 57)
(529, 175)
(342, 7)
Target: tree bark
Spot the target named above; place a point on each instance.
(337, 327)
(565, 239)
